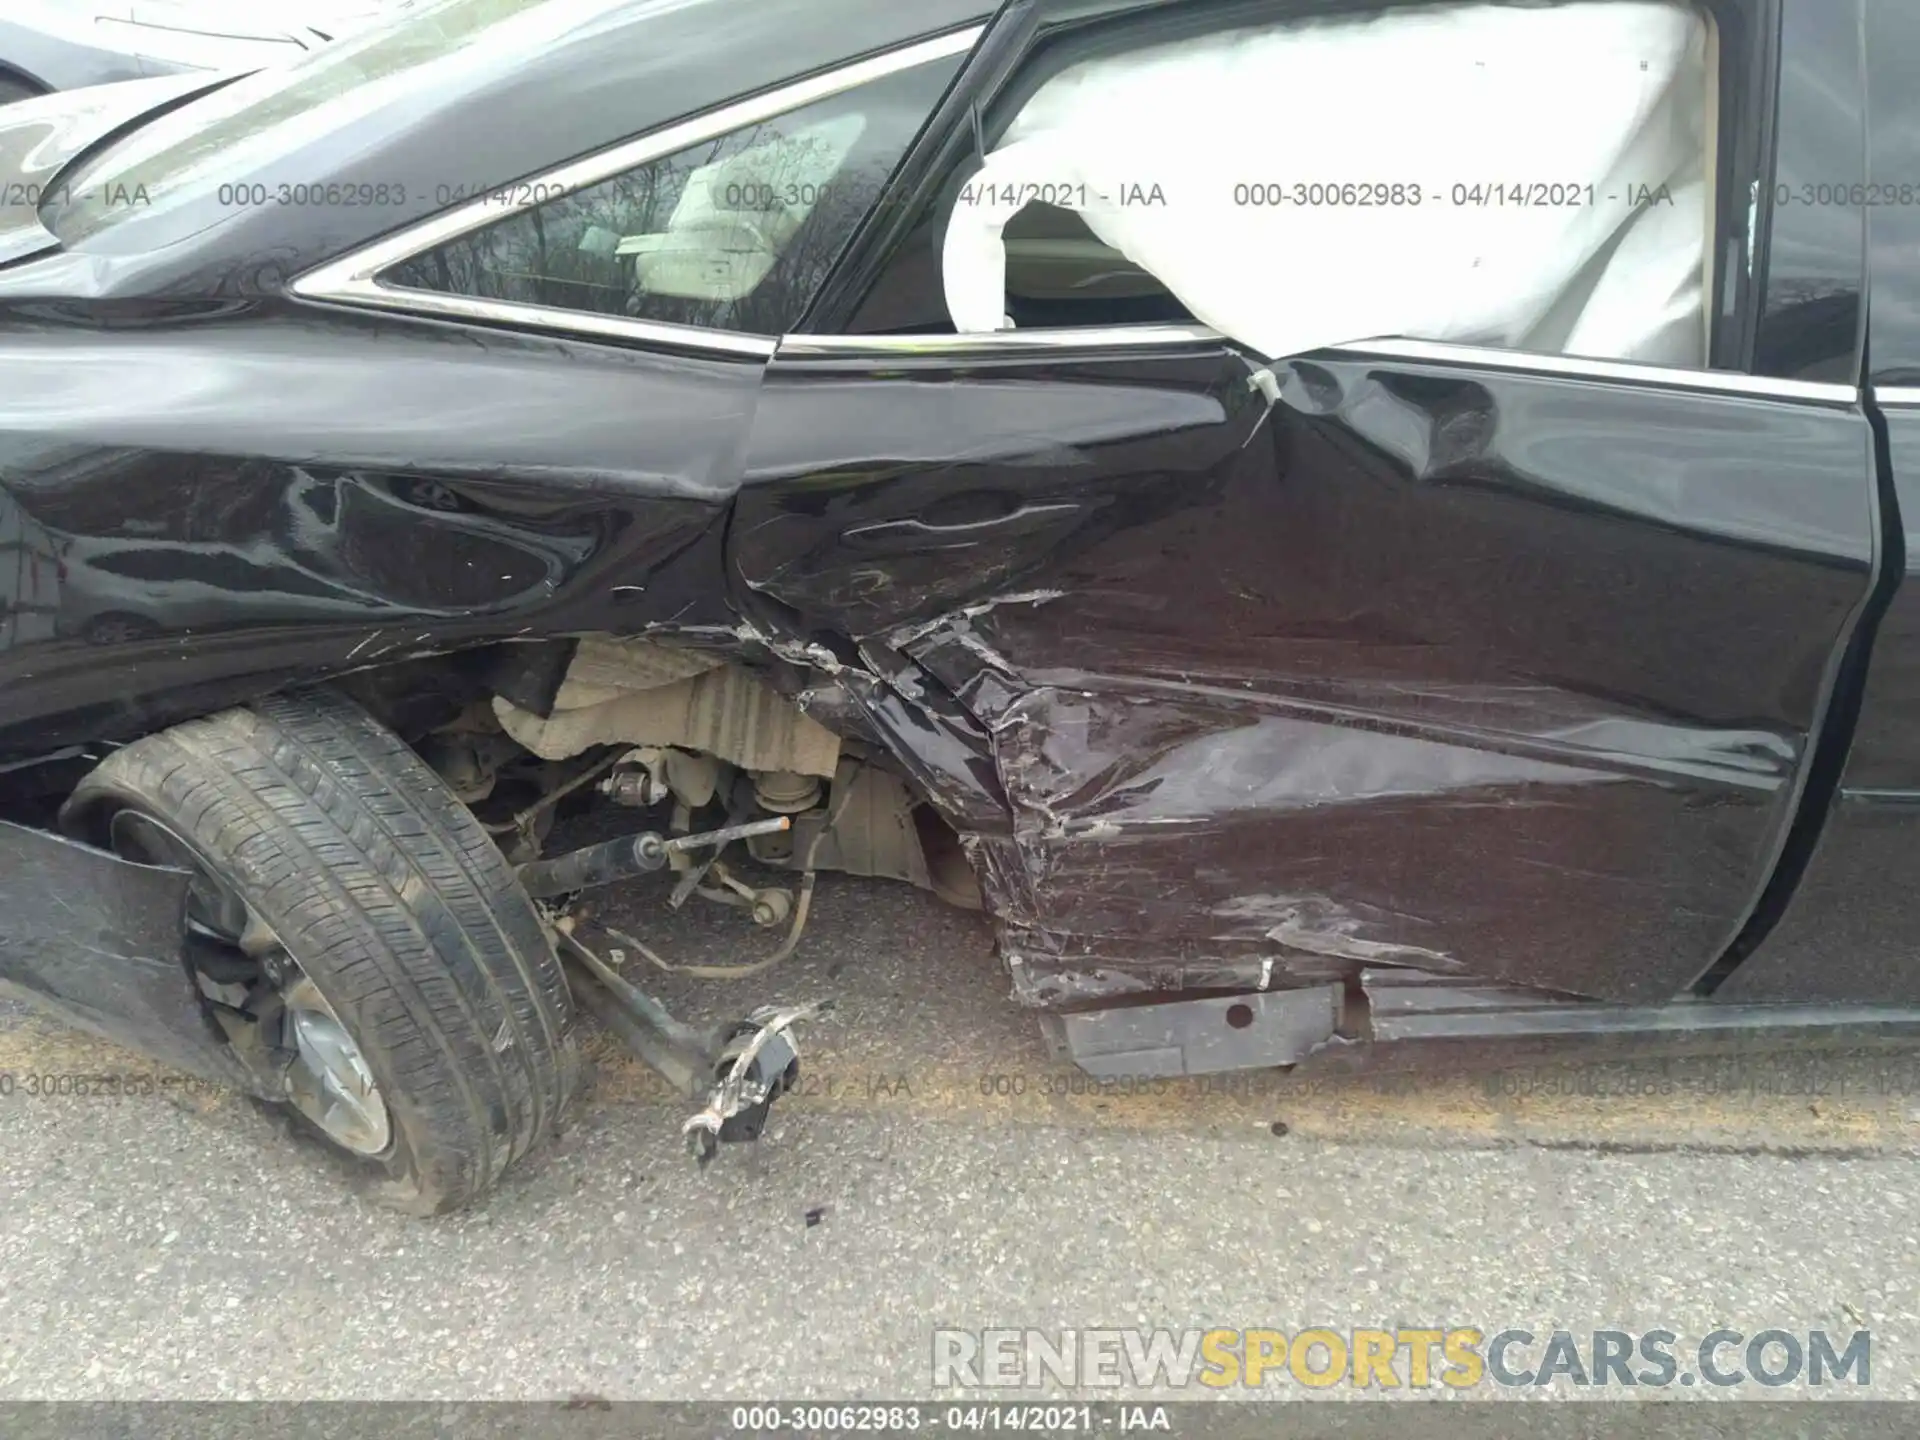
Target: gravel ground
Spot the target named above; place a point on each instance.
(182, 1247)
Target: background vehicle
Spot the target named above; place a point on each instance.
(1282, 708)
(67, 44)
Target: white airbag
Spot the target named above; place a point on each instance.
(1155, 148)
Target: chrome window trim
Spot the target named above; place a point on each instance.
(1897, 397)
(351, 279)
(1001, 342)
(1576, 367)
(1480, 357)
(547, 320)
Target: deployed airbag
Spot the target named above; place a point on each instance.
(1534, 177)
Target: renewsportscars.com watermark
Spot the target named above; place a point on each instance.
(1458, 1357)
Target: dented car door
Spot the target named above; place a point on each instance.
(1425, 662)
(1467, 659)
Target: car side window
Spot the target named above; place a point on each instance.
(735, 233)
(1162, 178)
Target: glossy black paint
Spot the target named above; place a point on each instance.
(1848, 933)
(105, 954)
(1491, 673)
(1463, 669)
(521, 94)
(207, 511)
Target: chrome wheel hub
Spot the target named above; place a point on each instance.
(328, 1080)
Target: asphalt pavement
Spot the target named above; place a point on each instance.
(938, 1169)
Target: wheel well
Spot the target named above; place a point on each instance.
(723, 729)
(20, 77)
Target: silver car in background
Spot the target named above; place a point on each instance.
(67, 44)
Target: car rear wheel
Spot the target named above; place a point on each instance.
(12, 89)
(358, 936)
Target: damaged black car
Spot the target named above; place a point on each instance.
(1344, 529)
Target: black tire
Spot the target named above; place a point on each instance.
(12, 89)
(383, 888)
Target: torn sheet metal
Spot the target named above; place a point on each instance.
(635, 692)
(1189, 831)
(943, 748)
(97, 941)
(1320, 925)
(1459, 671)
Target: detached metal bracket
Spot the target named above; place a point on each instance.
(737, 1069)
(761, 1063)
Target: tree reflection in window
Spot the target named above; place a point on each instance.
(735, 233)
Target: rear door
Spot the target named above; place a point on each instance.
(1464, 659)
(1846, 935)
